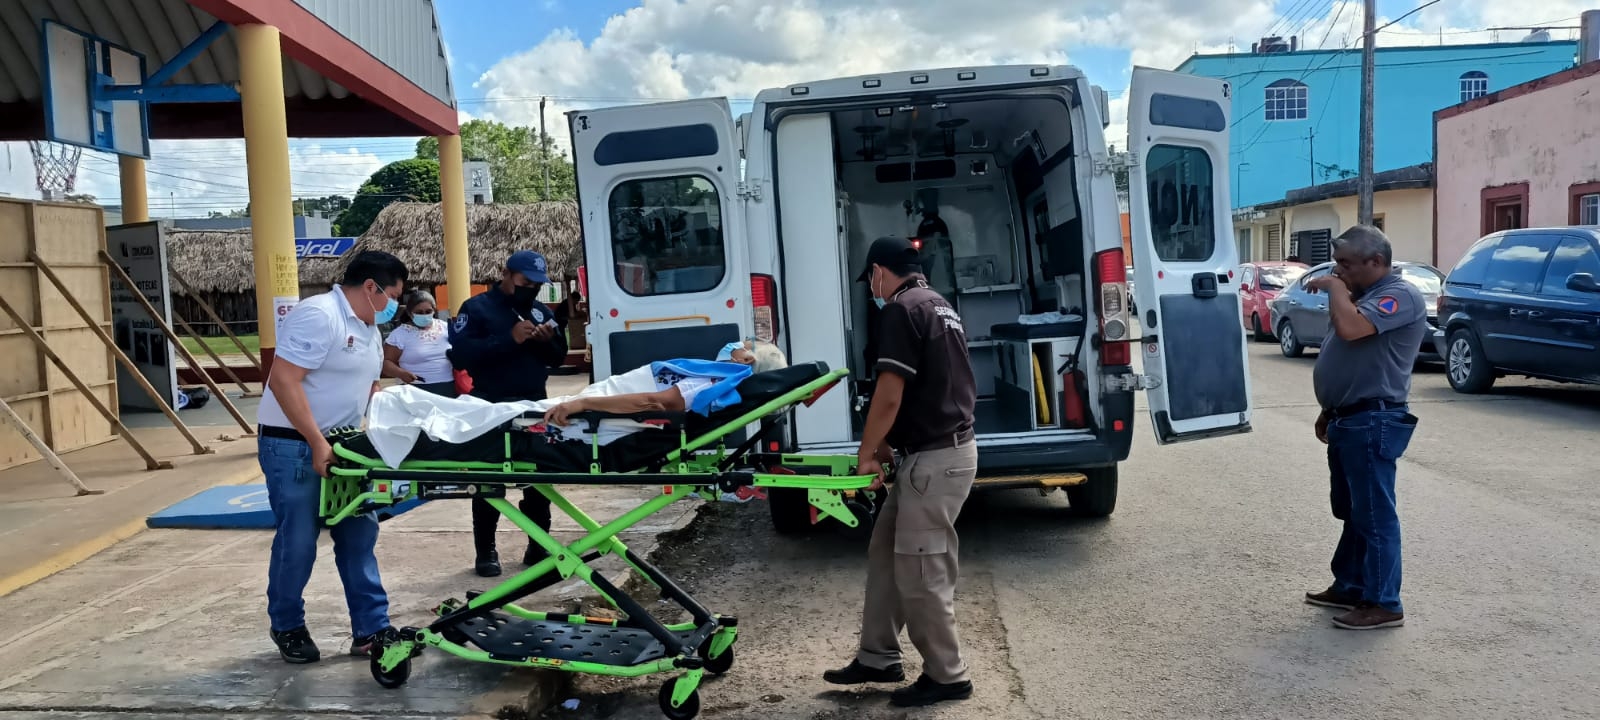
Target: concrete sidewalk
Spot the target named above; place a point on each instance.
(173, 622)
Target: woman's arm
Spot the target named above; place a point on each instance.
(391, 365)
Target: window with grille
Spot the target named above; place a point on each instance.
(1474, 84)
(1286, 100)
(1589, 209)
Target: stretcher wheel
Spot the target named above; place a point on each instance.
(864, 517)
(393, 678)
(687, 711)
(719, 664)
(791, 510)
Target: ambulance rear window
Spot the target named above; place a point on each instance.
(666, 236)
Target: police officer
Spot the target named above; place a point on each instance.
(507, 341)
(922, 408)
(1362, 379)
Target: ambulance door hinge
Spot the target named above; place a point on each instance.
(1129, 382)
(751, 190)
(1113, 162)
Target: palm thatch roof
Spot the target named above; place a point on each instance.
(221, 261)
(414, 232)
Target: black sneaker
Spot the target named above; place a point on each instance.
(927, 692)
(1334, 599)
(856, 674)
(296, 646)
(488, 564)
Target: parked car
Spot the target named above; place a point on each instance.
(1301, 314)
(1523, 302)
(1259, 283)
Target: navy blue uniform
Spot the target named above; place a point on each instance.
(501, 368)
(504, 370)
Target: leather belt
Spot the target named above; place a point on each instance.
(945, 442)
(1364, 406)
(281, 433)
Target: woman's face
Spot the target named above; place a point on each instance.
(422, 314)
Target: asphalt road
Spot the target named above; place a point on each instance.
(1186, 603)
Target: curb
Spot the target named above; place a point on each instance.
(82, 551)
(550, 685)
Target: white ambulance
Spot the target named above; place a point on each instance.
(699, 229)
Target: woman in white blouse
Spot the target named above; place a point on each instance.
(415, 352)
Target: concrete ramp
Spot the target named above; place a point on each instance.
(233, 507)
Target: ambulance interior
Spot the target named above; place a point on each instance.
(992, 199)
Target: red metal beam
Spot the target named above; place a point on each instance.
(308, 39)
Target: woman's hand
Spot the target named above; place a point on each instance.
(406, 376)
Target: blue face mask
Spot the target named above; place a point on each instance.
(880, 302)
(422, 321)
(380, 317)
(726, 353)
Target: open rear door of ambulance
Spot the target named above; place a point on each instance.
(1184, 256)
(663, 231)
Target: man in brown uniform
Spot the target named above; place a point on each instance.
(922, 408)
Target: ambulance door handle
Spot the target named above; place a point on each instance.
(1203, 285)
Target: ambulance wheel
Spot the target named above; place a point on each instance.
(791, 510)
(392, 678)
(686, 711)
(1098, 496)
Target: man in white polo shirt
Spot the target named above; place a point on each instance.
(324, 373)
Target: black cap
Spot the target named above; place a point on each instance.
(891, 252)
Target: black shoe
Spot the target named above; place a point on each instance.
(1334, 599)
(534, 555)
(927, 692)
(856, 674)
(488, 564)
(296, 646)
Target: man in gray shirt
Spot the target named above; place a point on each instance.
(1362, 380)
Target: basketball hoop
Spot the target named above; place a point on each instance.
(55, 167)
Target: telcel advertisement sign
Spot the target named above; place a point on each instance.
(323, 247)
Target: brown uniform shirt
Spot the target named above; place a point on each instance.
(923, 341)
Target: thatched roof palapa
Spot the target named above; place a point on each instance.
(414, 232)
(215, 261)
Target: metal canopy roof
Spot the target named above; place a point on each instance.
(351, 68)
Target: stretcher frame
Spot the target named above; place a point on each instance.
(358, 485)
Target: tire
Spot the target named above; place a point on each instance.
(1097, 497)
(687, 711)
(1289, 342)
(393, 678)
(719, 664)
(1255, 326)
(791, 511)
(1465, 366)
(864, 515)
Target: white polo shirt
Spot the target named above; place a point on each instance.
(343, 354)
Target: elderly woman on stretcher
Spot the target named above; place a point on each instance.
(406, 424)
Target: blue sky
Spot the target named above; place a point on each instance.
(507, 53)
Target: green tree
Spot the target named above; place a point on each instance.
(413, 180)
(516, 158)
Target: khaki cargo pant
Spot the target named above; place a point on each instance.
(912, 564)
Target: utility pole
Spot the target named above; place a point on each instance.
(1311, 140)
(544, 150)
(1368, 63)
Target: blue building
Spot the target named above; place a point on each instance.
(1297, 113)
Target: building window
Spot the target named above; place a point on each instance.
(666, 236)
(1504, 208)
(1585, 205)
(1474, 84)
(1286, 100)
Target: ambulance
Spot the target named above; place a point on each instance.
(700, 228)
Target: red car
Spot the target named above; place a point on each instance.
(1259, 283)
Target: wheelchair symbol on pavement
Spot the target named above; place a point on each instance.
(249, 500)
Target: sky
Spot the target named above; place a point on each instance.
(506, 54)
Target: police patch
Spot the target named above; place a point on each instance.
(460, 322)
(1388, 305)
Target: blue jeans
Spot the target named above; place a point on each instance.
(1362, 450)
(294, 490)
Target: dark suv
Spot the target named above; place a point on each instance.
(1523, 302)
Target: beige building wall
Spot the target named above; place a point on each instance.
(1407, 217)
(1544, 133)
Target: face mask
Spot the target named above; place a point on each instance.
(380, 317)
(525, 295)
(422, 321)
(880, 302)
(726, 353)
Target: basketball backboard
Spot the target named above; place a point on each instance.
(78, 67)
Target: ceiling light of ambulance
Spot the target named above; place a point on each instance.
(871, 83)
(967, 76)
(919, 79)
(1039, 71)
(801, 90)
(885, 111)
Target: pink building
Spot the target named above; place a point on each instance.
(1527, 156)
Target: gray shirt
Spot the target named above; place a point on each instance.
(1376, 367)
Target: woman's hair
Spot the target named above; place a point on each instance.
(768, 357)
(409, 303)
